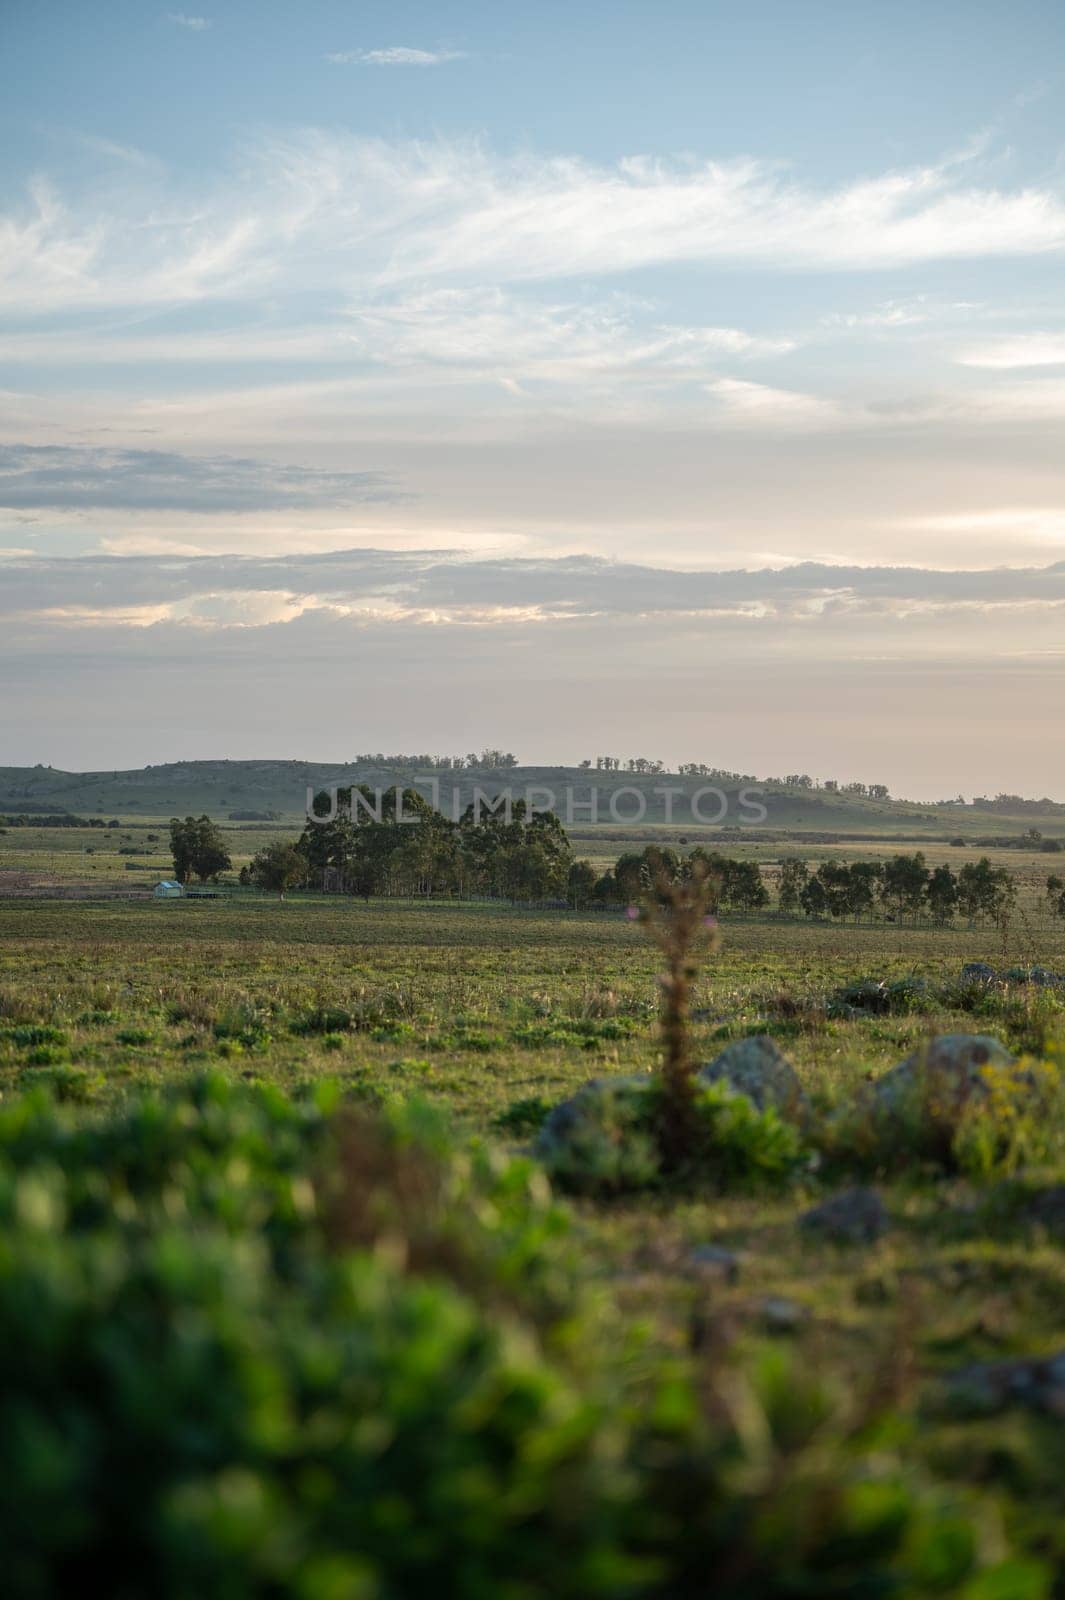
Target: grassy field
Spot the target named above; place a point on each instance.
(132, 857)
(478, 1005)
(496, 1014)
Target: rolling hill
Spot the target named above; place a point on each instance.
(279, 786)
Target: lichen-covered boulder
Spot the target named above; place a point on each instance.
(988, 1387)
(713, 1261)
(975, 972)
(868, 996)
(601, 1139)
(855, 1216)
(950, 1069)
(759, 1069)
(1047, 1209)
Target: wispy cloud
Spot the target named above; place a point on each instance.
(397, 55)
(62, 477)
(890, 314)
(1024, 350)
(181, 19)
(318, 210)
(431, 586)
(758, 405)
(474, 329)
(1038, 523)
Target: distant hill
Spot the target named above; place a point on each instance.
(223, 787)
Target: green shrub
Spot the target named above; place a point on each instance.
(245, 1025)
(324, 1019)
(47, 1055)
(392, 1032)
(1013, 1117)
(35, 1034)
(1019, 1121)
(607, 1140)
(523, 1116)
(134, 1036)
(262, 1347)
(72, 1085)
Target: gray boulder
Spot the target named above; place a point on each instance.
(987, 1387)
(977, 972)
(856, 1216)
(780, 1315)
(759, 1069)
(1047, 1209)
(953, 1062)
(598, 1140)
(714, 1261)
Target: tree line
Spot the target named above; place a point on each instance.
(899, 888)
(399, 845)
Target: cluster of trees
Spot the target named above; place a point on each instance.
(398, 844)
(198, 848)
(487, 761)
(52, 819)
(642, 764)
(1031, 839)
(857, 791)
(409, 848)
(904, 886)
(403, 846)
(1013, 803)
(860, 791)
(699, 769)
(735, 885)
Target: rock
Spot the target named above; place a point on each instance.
(571, 1113)
(865, 995)
(758, 1069)
(1047, 1209)
(987, 1387)
(905, 994)
(856, 1216)
(953, 1062)
(598, 1141)
(780, 1315)
(977, 972)
(876, 997)
(1043, 978)
(714, 1261)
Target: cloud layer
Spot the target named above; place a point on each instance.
(429, 586)
(396, 55)
(303, 207)
(60, 477)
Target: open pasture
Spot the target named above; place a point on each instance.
(477, 1005)
(496, 1015)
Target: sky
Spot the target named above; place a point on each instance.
(683, 380)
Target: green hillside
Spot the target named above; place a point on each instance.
(224, 787)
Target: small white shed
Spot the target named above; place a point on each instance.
(169, 889)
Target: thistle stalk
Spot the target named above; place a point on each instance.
(675, 915)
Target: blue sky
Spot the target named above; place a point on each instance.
(683, 288)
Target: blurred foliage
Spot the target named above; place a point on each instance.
(265, 1346)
